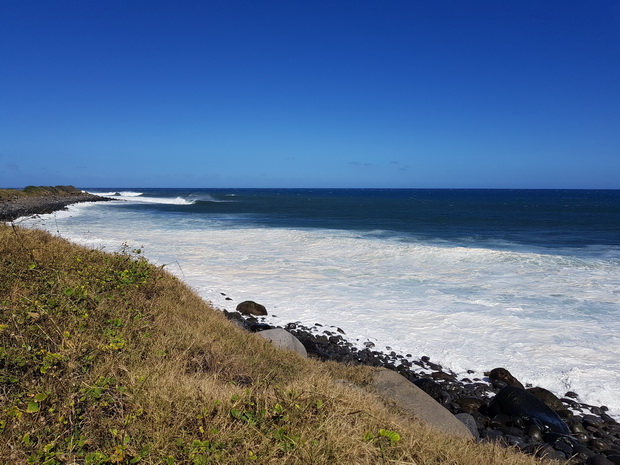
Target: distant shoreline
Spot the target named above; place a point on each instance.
(16, 203)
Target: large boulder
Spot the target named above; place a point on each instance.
(470, 422)
(250, 307)
(522, 405)
(284, 340)
(548, 398)
(417, 403)
(500, 377)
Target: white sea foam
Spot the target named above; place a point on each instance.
(117, 194)
(164, 200)
(131, 196)
(552, 320)
(207, 198)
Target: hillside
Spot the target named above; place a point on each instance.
(40, 199)
(107, 359)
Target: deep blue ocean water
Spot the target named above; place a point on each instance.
(525, 279)
(548, 218)
(552, 219)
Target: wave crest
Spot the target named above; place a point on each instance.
(117, 193)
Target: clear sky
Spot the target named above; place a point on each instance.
(307, 93)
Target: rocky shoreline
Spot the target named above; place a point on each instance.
(50, 200)
(497, 409)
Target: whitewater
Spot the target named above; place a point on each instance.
(552, 319)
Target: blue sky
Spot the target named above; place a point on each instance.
(515, 94)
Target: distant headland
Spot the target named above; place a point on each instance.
(34, 200)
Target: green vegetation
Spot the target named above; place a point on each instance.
(37, 191)
(106, 359)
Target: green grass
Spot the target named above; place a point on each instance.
(36, 191)
(106, 359)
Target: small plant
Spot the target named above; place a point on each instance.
(383, 437)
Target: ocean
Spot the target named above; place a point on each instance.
(528, 280)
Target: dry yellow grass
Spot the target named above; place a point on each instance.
(106, 359)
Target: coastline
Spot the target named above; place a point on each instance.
(536, 421)
(458, 395)
(43, 200)
(99, 343)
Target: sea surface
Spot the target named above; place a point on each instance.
(528, 280)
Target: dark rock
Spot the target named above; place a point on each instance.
(554, 438)
(469, 421)
(581, 437)
(571, 403)
(432, 388)
(491, 435)
(615, 459)
(563, 447)
(598, 444)
(576, 426)
(565, 414)
(238, 319)
(470, 404)
(583, 452)
(515, 401)
(547, 397)
(512, 440)
(545, 451)
(500, 377)
(250, 307)
(535, 432)
(511, 431)
(599, 459)
(518, 421)
(499, 420)
(256, 327)
(482, 389)
(442, 375)
(591, 420)
(434, 366)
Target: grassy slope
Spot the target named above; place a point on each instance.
(38, 191)
(107, 359)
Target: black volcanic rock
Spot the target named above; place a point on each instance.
(518, 403)
(249, 307)
(41, 200)
(500, 377)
